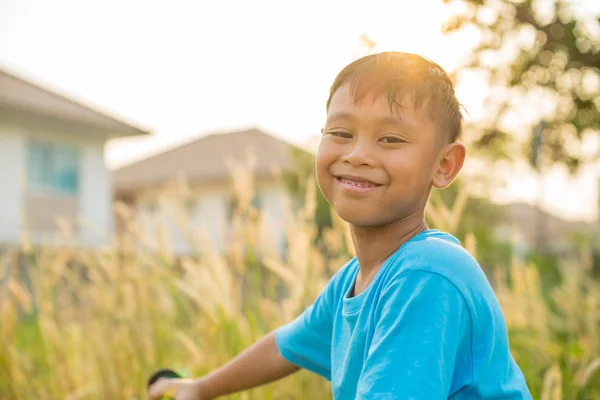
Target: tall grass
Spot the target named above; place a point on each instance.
(93, 324)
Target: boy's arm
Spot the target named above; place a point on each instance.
(259, 364)
(305, 342)
(423, 321)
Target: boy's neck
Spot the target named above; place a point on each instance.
(374, 245)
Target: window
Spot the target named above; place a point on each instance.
(53, 167)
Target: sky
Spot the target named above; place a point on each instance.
(183, 69)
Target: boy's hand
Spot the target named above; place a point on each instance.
(178, 389)
(259, 364)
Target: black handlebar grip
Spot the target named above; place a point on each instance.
(162, 373)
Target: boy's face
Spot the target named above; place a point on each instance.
(374, 164)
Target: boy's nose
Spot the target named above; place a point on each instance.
(359, 154)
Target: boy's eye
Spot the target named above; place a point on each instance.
(392, 139)
(341, 134)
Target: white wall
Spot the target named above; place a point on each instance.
(11, 190)
(95, 194)
(207, 220)
(210, 217)
(274, 214)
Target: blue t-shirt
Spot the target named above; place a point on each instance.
(427, 327)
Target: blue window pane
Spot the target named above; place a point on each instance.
(66, 169)
(53, 167)
(36, 164)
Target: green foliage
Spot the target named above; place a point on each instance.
(553, 329)
(102, 320)
(536, 49)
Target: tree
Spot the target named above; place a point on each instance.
(542, 60)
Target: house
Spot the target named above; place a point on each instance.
(535, 228)
(206, 166)
(52, 152)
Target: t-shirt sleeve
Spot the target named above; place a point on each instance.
(422, 322)
(306, 341)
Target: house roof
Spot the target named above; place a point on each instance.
(204, 160)
(19, 94)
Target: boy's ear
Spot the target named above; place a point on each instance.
(452, 158)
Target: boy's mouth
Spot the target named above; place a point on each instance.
(356, 183)
(356, 180)
(359, 184)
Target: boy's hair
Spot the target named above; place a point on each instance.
(396, 74)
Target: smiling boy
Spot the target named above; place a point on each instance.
(412, 316)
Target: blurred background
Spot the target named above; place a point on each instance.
(157, 197)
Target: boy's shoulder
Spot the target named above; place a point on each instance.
(432, 251)
(439, 253)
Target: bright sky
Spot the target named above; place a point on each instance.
(187, 68)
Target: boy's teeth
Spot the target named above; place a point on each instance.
(361, 184)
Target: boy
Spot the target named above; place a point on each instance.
(412, 316)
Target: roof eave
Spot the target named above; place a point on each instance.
(65, 109)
